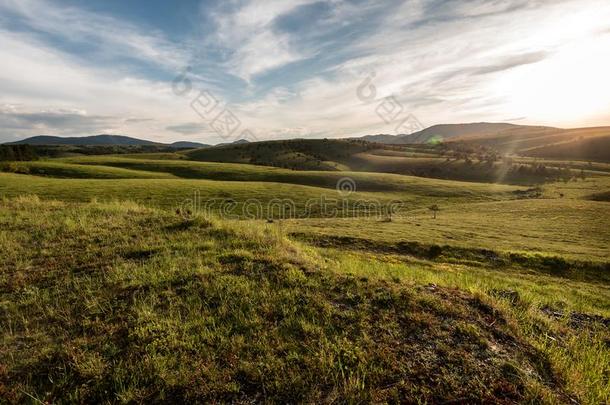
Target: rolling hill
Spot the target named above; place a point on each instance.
(578, 143)
(445, 132)
(151, 277)
(450, 160)
(299, 154)
(594, 148)
(101, 140)
(525, 140)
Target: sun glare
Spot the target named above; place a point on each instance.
(570, 87)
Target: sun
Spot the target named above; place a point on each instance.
(570, 87)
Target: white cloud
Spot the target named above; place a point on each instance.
(473, 61)
(111, 37)
(248, 34)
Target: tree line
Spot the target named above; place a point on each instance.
(17, 153)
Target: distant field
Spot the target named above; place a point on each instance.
(577, 143)
(453, 160)
(570, 228)
(171, 193)
(78, 171)
(595, 148)
(368, 181)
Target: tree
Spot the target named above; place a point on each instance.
(434, 208)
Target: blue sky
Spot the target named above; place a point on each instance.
(279, 69)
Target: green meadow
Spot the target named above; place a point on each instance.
(119, 283)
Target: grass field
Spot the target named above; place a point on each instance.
(171, 183)
(569, 228)
(109, 293)
(460, 161)
(121, 302)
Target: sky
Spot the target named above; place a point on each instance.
(218, 71)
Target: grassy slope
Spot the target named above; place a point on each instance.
(446, 161)
(242, 172)
(573, 229)
(77, 171)
(155, 307)
(596, 148)
(170, 193)
(577, 143)
(302, 154)
(169, 183)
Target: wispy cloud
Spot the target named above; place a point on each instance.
(246, 31)
(292, 67)
(104, 36)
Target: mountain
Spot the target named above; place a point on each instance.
(445, 132)
(238, 142)
(84, 140)
(448, 131)
(101, 140)
(187, 144)
(380, 138)
(525, 140)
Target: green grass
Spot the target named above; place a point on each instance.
(174, 193)
(574, 229)
(453, 161)
(109, 294)
(76, 171)
(246, 172)
(171, 183)
(119, 302)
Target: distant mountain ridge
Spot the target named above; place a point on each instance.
(541, 141)
(445, 132)
(99, 140)
(526, 140)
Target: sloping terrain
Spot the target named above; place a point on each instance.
(447, 132)
(525, 140)
(576, 230)
(502, 298)
(596, 148)
(160, 308)
(300, 154)
(83, 140)
(452, 160)
(580, 143)
(98, 140)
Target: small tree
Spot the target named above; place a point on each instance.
(434, 208)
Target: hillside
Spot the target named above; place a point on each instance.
(299, 154)
(452, 160)
(100, 140)
(579, 143)
(444, 132)
(151, 277)
(161, 308)
(524, 140)
(595, 148)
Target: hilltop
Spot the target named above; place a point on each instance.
(525, 140)
(100, 140)
(443, 133)
(504, 138)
